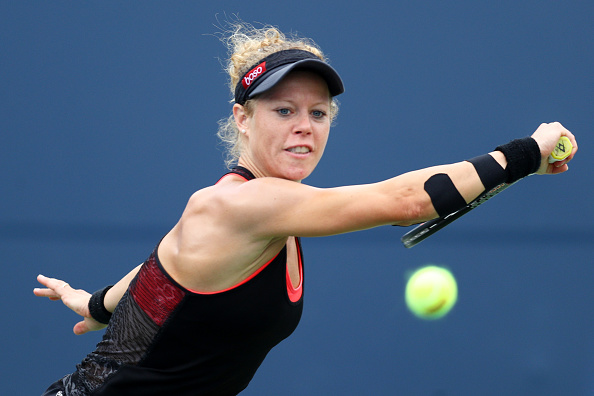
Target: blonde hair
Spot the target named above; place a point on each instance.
(247, 45)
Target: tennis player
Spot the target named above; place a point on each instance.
(226, 284)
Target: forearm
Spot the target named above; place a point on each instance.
(114, 295)
(413, 195)
(450, 187)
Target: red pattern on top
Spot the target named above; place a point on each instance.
(155, 293)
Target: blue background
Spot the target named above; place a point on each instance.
(108, 116)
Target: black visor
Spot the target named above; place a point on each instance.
(272, 69)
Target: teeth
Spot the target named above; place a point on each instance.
(299, 150)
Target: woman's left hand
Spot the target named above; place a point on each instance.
(75, 299)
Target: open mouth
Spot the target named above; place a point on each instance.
(299, 150)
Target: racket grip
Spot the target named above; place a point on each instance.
(562, 150)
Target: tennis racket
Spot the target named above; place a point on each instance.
(423, 231)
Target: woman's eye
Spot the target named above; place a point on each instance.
(284, 111)
(318, 113)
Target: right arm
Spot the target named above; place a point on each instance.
(271, 207)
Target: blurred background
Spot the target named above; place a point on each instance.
(108, 115)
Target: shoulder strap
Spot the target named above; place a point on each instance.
(243, 172)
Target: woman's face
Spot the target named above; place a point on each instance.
(286, 134)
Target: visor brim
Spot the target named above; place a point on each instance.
(324, 70)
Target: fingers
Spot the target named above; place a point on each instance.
(565, 132)
(51, 283)
(558, 168)
(54, 287)
(86, 325)
(80, 328)
(575, 147)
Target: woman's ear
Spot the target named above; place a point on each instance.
(241, 117)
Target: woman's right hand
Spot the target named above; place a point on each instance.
(547, 136)
(75, 299)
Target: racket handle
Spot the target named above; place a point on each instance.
(562, 150)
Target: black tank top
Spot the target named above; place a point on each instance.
(164, 339)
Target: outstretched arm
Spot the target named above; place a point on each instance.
(78, 299)
(268, 207)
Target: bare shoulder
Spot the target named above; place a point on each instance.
(211, 247)
(243, 203)
(262, 204)
(233, 196)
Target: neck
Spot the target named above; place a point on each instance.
(246, 163)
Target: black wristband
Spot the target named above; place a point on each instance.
(523, 158)
(97, 308)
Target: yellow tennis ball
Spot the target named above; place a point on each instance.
(431, 292)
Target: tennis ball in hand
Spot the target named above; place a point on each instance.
(431, 292)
